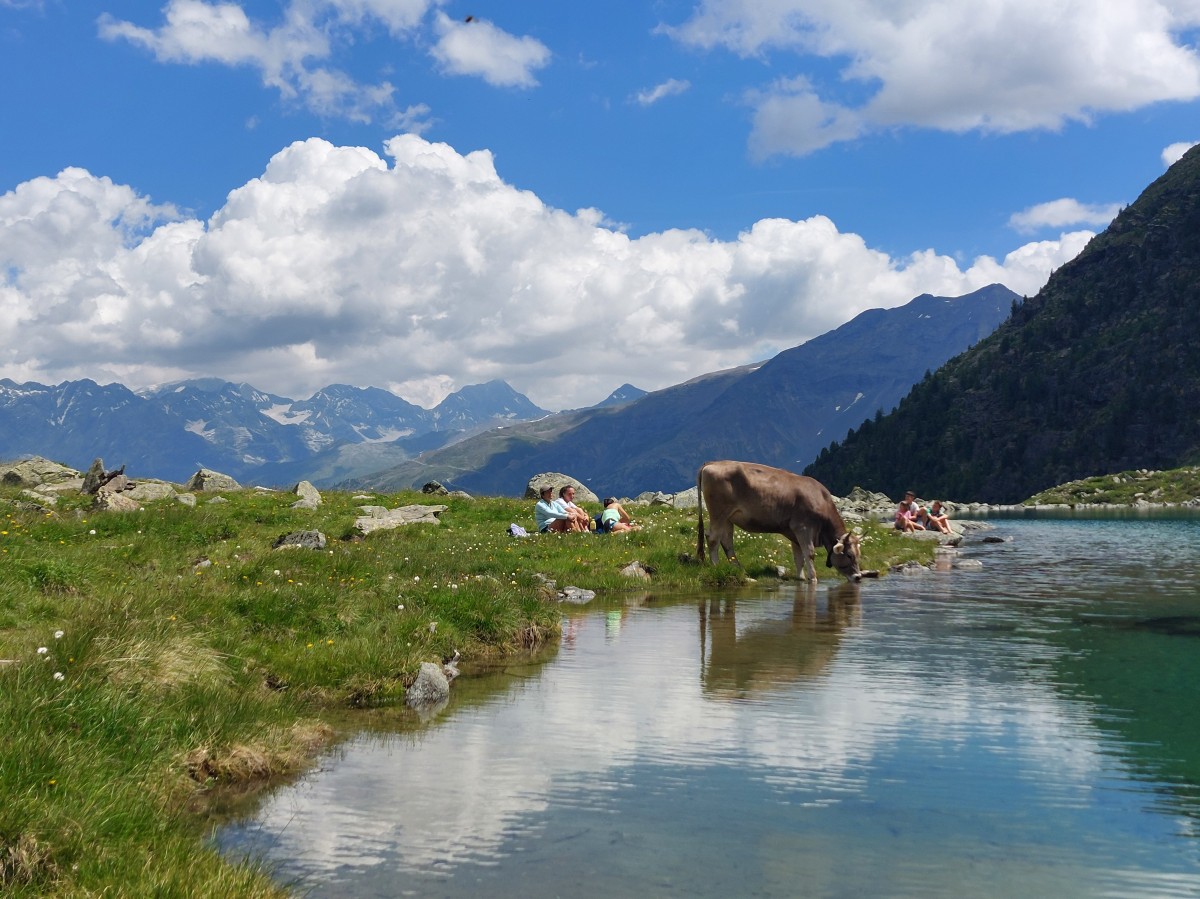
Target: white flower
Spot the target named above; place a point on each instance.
(42, 650)
(58, 635)
(277, 571)
(400, 607)
(58, 675)
(92, 532)
(416, 577)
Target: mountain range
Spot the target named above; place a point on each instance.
(171, 430)
(1097, 373)
(488, 438)
(781, 412)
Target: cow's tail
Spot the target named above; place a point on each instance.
(701, 553)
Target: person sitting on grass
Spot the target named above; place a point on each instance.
(566, 499)
(550, 515)
(615, 519)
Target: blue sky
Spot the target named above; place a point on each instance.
(420, 195)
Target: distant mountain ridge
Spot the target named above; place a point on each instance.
(781, 412)
(170, 430)
(1098, 373)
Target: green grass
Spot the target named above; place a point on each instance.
(1177, 485)
(161, 655)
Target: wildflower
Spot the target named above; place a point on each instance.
(58, 635)
(92, 532)
(58, 675)
(42, 650)
(416, 577)
(400, 607)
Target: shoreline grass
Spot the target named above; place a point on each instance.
(153, 657)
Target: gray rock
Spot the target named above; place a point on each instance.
(379, 518)
(37, 496)
(188, 499)
(149, 491)
(433, 488)
(301, 540)
(685, 500)
(35, 471)
(637, 570)
(310, 498)
(207, 481)
(108, 501)
(576, 595)
(968, 564)
(533, 490)
(431, 688)
(909, 568)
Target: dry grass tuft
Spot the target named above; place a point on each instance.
(280, 753)
(24, 862)
(165, 665)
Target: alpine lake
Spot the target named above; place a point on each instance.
(1028, 726)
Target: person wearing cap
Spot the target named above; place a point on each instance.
(614, 518)
(550, 515)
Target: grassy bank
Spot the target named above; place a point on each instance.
(1177, 485)
(153, 656)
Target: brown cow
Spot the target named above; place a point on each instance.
(761, 499)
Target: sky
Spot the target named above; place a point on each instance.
(424, 194)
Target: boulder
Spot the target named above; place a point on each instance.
(188, 499)
(149, 491)
(688, 499)
(379, 518)
(301, 540)
(310, 497)
(533, 490)
(576, 595)
(36, 471)
(637, 570)
(431, 688)
(108, 501)
(207, 481)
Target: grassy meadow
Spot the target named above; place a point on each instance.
(150, 660)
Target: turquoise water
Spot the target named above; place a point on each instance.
(1027, 729)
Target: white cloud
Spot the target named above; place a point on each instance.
(480, 48)
(1063, 213)
(425, 274)
(1173, 153)
(295, 56)
(998, 66)
(672, 87)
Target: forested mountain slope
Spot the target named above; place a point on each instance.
(1099, 372)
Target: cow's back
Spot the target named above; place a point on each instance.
(765, 496)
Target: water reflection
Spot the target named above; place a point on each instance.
(957, 734)
(762, 653)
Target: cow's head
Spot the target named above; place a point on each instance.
(845, 555)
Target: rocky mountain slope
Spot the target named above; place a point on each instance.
(781, 412)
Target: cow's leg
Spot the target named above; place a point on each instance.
(720, 533)
(802, 553)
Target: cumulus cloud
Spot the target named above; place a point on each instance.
(1063, 213)
(1173, 153)
(480, 48)
(1004, 66)
(423, 272)
(672, 87)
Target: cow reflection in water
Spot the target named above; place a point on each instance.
(776, 650)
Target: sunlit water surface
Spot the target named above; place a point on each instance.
(1028, 729)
